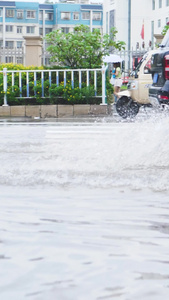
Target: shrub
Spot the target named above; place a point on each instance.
(52, 94)
(72, 95)
(88, 94)
(55, 92)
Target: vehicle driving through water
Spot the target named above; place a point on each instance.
(137, 93)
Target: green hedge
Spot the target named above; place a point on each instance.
(52, 94)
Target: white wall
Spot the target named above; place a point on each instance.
(141, 11)
(162, 14)
(122, 21)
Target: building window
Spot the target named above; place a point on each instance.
(75, 16)
(9, 44)
(19, 60)
(48, 30)
(41, 15)
(47, 61)
(86, 16)
(97, 16)
(0, 12)
(9, 59)
(1, 28)
(153, 4)
(65, 29)
(19, 14)
(167, 20)
(30, 14)
(160, 3)
(19, 29)
(9, 13)
(152, 32)
(111, 22)
(47, 45)
(19, 44)
(40, 30)
(167, 2)
(159, 23)
(1, 43)
(9, 28)
(30, 29)
(49, 16)
(65, 15)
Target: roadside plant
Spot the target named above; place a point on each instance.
(56, 91)
(53, 93)
(72, 95)
(165, 29)
(12, 95)
(81, 48)
(88, 93)
(38, 89)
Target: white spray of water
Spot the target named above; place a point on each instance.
(133, 154)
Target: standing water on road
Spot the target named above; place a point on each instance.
(84, 209)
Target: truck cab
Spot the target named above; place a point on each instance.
(141, 79)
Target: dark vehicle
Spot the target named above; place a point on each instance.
(159, 90)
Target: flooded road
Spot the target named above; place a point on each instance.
(84, 209)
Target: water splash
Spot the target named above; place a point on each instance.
(102, 153)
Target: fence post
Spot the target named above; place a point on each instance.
(104, 98)
(5, 86)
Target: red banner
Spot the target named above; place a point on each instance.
(142, 32)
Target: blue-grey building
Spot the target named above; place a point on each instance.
(22, 19)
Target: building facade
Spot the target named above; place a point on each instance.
(19, 20)
(137, 21)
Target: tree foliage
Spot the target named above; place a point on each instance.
(81, 48)
(165, 29)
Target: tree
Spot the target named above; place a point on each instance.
(81, 48)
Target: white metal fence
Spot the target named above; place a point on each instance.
(15, 77)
